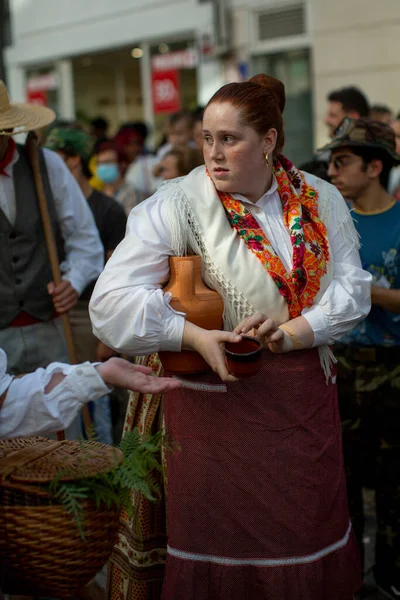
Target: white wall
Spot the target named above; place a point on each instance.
(44, 29)
(355, 43)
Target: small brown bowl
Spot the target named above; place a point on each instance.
(243, 358)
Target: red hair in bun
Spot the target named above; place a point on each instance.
(261, 102)
(274, 86)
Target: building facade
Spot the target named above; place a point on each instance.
(104, 58)
(315, 46)
(355, 42)
(80, 57)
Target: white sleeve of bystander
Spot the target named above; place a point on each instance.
(28, 410)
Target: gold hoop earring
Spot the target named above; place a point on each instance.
(267, 159)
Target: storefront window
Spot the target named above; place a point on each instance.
(178, 60)
(107, 84)
(42, 87)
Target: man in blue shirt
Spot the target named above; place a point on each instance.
(362, 154)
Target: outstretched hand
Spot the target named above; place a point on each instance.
(122, 373)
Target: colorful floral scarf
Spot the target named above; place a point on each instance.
(307, 233)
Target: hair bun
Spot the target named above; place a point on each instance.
(274, 86)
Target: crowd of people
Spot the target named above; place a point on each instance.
(128, 171)
(114, 174)
(265, 494)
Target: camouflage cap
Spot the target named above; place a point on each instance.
(74, 142)
(365, 133)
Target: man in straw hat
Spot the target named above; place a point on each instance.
(30, 303)
(362, 154)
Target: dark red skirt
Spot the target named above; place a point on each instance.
(257, 505)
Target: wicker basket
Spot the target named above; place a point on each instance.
(41, 550)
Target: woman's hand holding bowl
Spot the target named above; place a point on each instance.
(210, 344)
(267, 331)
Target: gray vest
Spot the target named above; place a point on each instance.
(24, 265)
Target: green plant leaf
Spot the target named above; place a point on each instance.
(116, 486)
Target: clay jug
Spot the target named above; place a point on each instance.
(202, 306)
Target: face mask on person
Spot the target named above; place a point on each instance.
(108, 173)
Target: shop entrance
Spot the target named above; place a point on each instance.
(107, 84)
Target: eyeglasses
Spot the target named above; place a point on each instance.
(340, 162)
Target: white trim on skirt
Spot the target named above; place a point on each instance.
(262, 562)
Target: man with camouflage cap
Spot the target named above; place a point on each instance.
(362, 154)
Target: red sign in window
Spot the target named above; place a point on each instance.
(166, 93)
(38, 97)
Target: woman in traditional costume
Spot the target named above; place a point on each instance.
(257, 505)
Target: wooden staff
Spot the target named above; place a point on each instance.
(33, 154)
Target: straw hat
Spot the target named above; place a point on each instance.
(20, 118)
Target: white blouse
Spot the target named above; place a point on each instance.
(130, 312)
(27, 410)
